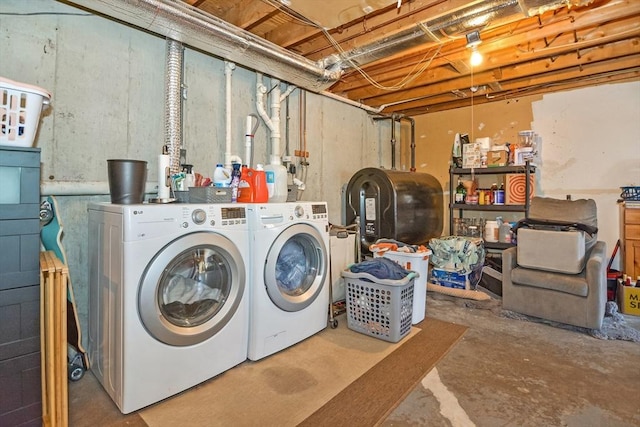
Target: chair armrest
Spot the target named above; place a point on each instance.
(596, 265)
(509, 259)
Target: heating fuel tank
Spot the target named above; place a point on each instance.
(391, 204)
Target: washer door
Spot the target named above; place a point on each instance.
(191, 288)
(296, 267)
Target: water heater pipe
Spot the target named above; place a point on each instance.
(392, 118)
(412, 121)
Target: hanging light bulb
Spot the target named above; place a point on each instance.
(473, 40)
(476, 57)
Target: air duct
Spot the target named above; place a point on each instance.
(173, 103)
(179, 21)
(444, 28)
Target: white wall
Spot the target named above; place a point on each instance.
(590, 148)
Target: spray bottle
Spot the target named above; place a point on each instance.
(276, 174)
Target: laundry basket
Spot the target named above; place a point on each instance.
(381, 308)
(20, 108)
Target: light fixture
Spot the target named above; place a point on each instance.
(473, 40)
(476, 57)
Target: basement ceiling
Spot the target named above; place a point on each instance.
(572, 44)
(411, 56)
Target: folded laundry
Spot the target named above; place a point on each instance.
(381, 268)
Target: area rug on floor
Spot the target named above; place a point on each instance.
(614, 325)
(334, 375)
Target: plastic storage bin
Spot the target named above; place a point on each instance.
(380, 308)
(418, 262)
(210, 194)
(20, 108)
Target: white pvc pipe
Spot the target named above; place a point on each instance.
(273, 122)
(228, 71)
(261, 91)
(354, 103)
(275, 119)
(247, 140)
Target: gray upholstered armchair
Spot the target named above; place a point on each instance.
(557, 275)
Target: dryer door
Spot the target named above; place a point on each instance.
(191, 288)
(296, 267)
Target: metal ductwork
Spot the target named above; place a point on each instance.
(178, 21)
(173, 103)
(445, 28)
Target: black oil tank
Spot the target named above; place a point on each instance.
(391, 204)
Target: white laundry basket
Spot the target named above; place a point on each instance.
(20, 108)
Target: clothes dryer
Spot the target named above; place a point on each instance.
(289, 274)
(168, 297)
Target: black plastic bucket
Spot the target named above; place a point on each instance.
(127, 180)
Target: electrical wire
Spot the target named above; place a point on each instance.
(403, 82)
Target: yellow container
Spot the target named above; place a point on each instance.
(629, 300)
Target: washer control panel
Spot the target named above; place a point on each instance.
(199, 216)
(210, 215)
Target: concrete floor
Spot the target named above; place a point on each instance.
(507, 372)
(504, 372)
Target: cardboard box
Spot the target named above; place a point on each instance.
(471, 155)
(497, 157)
(454, 279)
(629, 300)
(514, 188)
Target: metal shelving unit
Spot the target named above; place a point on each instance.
(526, 169)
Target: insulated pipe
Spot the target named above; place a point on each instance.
(173, 103)
(457, 23)
(228, 71)
(180, 21)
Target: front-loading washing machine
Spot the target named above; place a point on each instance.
(168, 297)
(289, 274)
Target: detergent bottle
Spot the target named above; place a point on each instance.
(276, 174)
(221, 176)
(260, 189)
(245, 185)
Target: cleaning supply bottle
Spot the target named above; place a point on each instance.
(276, 174)
(491, 231)
(235, 182)
(221, 176)
(260, 190)
(245, 185)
